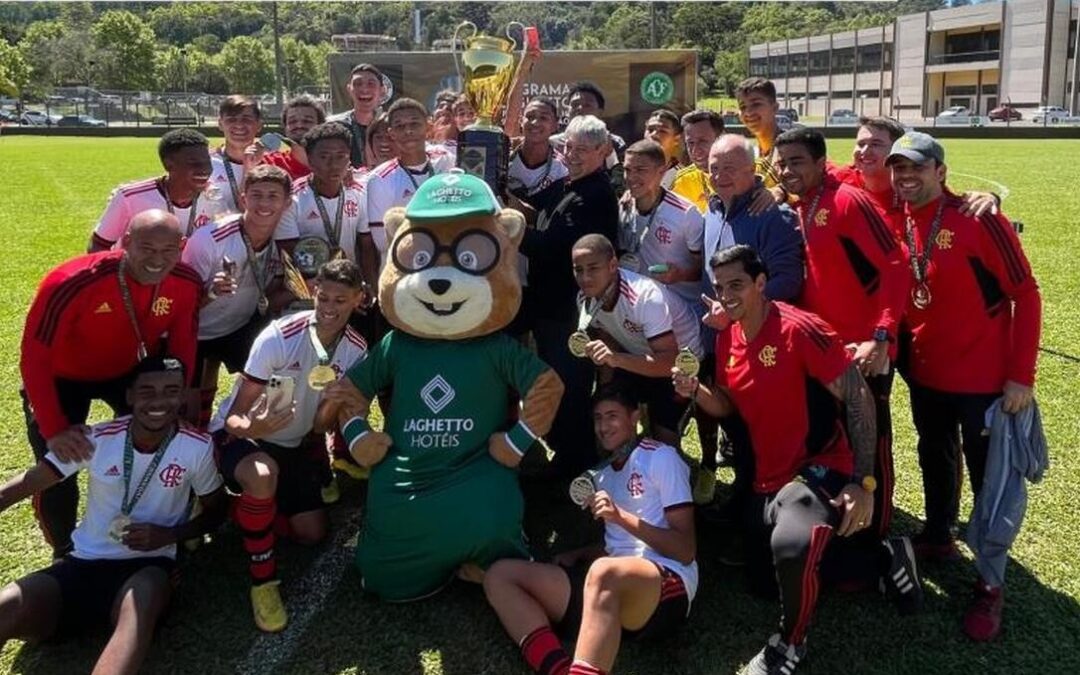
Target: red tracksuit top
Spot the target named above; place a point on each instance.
(77, 328)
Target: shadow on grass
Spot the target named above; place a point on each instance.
(454, 633)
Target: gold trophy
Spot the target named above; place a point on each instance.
(486, 70)
(309, 254)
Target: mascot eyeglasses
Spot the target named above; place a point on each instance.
(473, 251)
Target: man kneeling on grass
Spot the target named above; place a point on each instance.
(142, 471)
(640, 583)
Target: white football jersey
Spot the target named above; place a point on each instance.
(532, 180)
(672, 233)
(653, 479)
(284, 348)
(220, 187)
(646, 310)
(302, 217)
(393, 184)
(130, 199)
(205, 252)
(187, 465)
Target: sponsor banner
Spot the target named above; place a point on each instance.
(634, 82)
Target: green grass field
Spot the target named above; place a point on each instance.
(51, 192)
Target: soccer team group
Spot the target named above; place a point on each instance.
(801, 287)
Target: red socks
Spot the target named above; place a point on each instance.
(583, 668)
(544, 653)
(255, 518)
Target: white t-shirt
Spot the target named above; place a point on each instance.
(653, 479)
(130, 199)
(393, 184)
(284, 348)
(671, 233)
(187, 466)
(668, 178)
(302, 217)
(646, 310)
(219, 184)
(530, 181)
(204, 252)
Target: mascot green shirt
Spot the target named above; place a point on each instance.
(443, 494)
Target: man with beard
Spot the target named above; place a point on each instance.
(93, 319)
(142, 470)
(185, 155)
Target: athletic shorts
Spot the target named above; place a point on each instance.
(230, 350)
(88, 588)
(670, 612)
(300, 476)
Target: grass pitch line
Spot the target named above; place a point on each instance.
(1001, 189)
(303, 599)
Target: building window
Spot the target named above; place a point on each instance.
(960, 90)
(981, 46)
(778, 66)
(842, 94)
(759, 67)
(989, 89)
(869, 60)
(819, 62)
(797, 65)
(843, 60)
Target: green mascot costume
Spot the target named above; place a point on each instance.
(443, 497)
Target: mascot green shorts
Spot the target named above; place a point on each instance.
(414, 541)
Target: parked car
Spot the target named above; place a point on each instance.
(36, 118)
(80, 121)
(1005, 112)
(955, 111)
(843, 116)
(790, 113)
(1050, 113)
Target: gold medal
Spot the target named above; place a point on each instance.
(321, 376)
(920, 296)
(577, 342)
(686, 363)
(118, 527)
(581, 488)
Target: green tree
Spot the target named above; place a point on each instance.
(730, 69)
(627, 27)
(14, 73)
(247, 65)
(304, 64)
(127, 46)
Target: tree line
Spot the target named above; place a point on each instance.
(219, 48)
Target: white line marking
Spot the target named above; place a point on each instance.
(304, 598)
(1001, 189)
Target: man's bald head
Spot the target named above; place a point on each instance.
(154, 220)
(731, 167)
(152, 245)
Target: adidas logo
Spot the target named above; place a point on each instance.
(103, 308)
(113, 471)
(312, 215)
(295, 366)
(407, 194)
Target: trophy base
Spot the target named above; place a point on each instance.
(485, 153)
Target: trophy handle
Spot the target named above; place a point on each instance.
(454, 47)
(511, 38)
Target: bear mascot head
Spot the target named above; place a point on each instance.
(452, 268)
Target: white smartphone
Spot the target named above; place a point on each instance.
(279, 392)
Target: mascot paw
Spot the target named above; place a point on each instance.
(499, 448)
(371, 448)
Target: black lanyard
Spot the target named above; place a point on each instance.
(333, 230)
(232, 178)
(128, 503)
(172, 209)
(129, 307)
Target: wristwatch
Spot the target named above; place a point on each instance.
(881, 334)
(867, 483)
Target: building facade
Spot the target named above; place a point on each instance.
(977, 56)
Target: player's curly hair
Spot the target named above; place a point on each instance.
(324, 132)
(177, 139)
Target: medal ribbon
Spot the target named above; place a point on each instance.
(810, 213)
(128, 505)
(172, 209)
(333, 231)
(425, 171)
(232, 178)
(259, 272)
(638, 238)
(129, 307)
(921, 261)
(325, 357)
